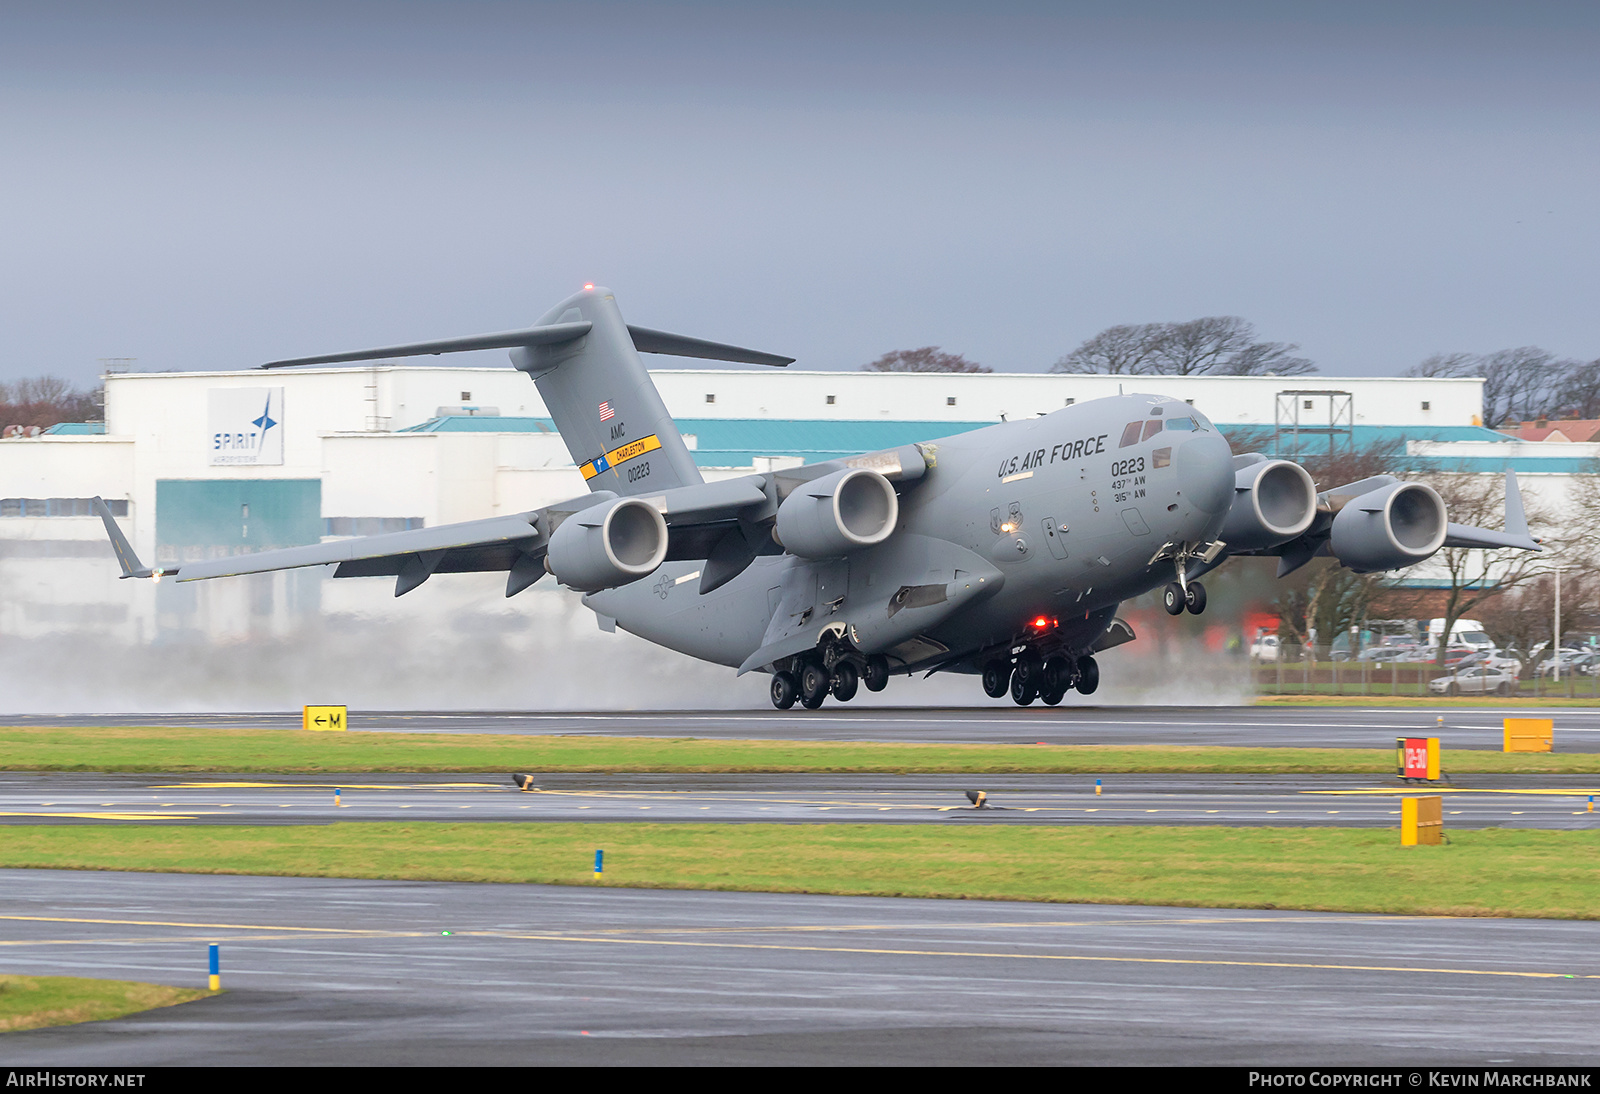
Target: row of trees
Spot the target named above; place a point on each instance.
(1524, 384)
(1527, 383)
(45, 400)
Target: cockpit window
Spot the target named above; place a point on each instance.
(1151, 428)
(1131, 434)
(1184, 424)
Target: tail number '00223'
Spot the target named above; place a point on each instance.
(1128, 467)
(638, 471)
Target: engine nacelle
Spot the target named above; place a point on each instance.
(608, 545)
(1390, 527)
(837, 514)
(1273, 502)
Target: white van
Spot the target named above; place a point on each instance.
(1466, 632)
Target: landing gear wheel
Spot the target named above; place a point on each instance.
(784, 690)
(814, 681)
(1195, 599)
(1172, 598)
(845, 679)
(1025, 681)
(876, 673)
(1088, 675)
(1057, 679)
(996, 679)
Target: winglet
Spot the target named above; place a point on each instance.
(1516, 519)
(131, 566)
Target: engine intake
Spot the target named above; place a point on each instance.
(837, 514)
(608, 545)
(1274, 501)
(1394, 526)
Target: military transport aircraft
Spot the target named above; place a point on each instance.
(1003, 552)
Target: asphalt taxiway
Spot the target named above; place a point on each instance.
(1577, 728)
(325, 971)
(1555, 802)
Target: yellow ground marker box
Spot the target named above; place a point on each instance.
(1421, 821)
(1529, 734)
(325, 719)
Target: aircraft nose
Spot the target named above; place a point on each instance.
(1205, 472)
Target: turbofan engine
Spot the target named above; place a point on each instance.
(608, 545)
(1274, 501)
(1390, 527)
(837, 514)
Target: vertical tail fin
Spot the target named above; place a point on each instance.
(604, 402)
(585, 361)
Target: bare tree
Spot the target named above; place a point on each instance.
(925, 359)
(1116, 351)
(1220, 345)
(45, 400)
(1517, 383)
(1579, 393)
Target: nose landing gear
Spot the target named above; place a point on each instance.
(1175, 598)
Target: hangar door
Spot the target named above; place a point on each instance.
(211, 518)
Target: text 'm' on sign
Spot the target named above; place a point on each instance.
(325, 718)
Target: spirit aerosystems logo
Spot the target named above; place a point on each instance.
(245, 425)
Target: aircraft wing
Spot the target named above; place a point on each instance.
(727, 523)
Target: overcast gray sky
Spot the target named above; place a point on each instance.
(214, 185)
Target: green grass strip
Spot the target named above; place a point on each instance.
(1489, 872)
(32, 1002)
(1469, 702)
(246, 751)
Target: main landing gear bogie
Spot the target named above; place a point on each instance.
(1176, 599)
(813, 680)
(1031, 679)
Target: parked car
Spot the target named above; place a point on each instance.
(1264, 648)
(1493, 659)
(1476, 680)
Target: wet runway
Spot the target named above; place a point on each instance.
(1577, 729)
(1554, 802)
(323, 971)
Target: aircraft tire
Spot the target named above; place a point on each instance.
(1057, 676)
(1052, 696)
(1172, 598)
(876, 673)
(996, 679)
(845, 681)
(1088, 675)
(1023, 693)
(1195, 599)
(784, 690)
(814, 683)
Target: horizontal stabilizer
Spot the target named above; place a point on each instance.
(646, 340)
(550, 334)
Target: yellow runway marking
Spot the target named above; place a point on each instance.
(616, 938)
(992, 954)
(332, 786)
(1558, 792)
(116, 816)
(185, 923)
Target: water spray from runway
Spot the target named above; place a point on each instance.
(458, 644)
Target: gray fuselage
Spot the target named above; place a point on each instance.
(1069, 508)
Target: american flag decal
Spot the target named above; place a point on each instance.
(606, 413)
